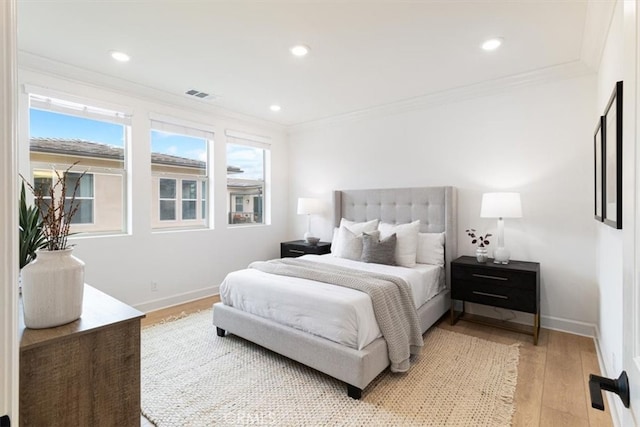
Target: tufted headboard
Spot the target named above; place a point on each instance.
(435, 207)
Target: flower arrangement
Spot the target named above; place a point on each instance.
(478, 239)
(56, 208)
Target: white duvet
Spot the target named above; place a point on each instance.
(333, 312)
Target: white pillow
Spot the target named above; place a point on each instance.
(430, 248)
(356, 228)
(407, 243)
(350, 244)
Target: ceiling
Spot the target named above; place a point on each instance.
(363, 54)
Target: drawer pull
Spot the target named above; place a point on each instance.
(296, 251)
(490, 295)
(485, 276)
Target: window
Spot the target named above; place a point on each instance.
(62, 133)
(167, 199)
(239, 204)
(179, 167)
(247, 163)
(84, 200)
(189, 199)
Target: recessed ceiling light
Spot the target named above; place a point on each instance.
(492, 44)
(275, 108)
(299, 50)
(120, 56)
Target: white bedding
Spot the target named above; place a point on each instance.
(333, 312)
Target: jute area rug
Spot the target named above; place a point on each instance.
(192, 377)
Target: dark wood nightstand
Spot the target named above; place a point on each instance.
(297, 248)
(514, 286)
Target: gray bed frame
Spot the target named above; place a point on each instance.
(436, 208)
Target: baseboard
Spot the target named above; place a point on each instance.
(575, 327)
(614, 404)
(172, 300)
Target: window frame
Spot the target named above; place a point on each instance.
(264, 185)
(44, 99)
(203, 211)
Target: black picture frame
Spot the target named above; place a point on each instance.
(598, 170)
(612, 155)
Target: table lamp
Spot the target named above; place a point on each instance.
(308, 206)
(501, 205)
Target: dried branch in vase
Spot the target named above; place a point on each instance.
(56, 208)
(478, 239)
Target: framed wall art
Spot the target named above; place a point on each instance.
(598, 167)
(612, 155)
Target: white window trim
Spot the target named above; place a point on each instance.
(51, 100)
(260, 142)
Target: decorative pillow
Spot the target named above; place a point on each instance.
(350, 244)
(407, 245)
(430, 248)
(356, 228)
(379, 251)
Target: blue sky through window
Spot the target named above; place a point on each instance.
(249, 159)
(49, 124)
(179, 145)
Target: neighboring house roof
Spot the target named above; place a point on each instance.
(84, 148)
(241, 183)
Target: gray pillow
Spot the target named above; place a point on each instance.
(350, 244)
(379, 251)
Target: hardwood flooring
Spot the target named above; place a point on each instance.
(552, 388)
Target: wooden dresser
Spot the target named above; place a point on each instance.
(84, 373)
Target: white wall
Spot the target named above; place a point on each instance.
(185, 265)
(609, 243)
(533, 139)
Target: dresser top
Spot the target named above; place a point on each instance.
(99, 310)
(513, 264)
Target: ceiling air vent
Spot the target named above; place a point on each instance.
(198, 94)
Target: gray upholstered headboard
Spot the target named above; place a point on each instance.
(435, 207)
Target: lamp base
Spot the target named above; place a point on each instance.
(501, 256)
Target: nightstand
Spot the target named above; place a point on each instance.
(514, 286)
(297, 248)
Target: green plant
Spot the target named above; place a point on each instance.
(56, 208)
(31, 234)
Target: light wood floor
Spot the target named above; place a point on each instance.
(553, 376)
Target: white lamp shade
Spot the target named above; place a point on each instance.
(501, 205)
(309, 206)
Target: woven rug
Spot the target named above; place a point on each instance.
(192, 377)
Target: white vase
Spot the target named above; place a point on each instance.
(52, 289)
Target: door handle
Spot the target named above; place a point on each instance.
(619, 387)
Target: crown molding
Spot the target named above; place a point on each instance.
(489, 87)
(39, 64)
(47, 66)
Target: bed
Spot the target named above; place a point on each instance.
(356, 365)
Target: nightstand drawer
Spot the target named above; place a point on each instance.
(290, 251)
(298, 248)
(497, 295)
(511, 279)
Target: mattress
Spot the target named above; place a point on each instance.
(339, 314)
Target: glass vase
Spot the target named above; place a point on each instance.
(482, 255)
